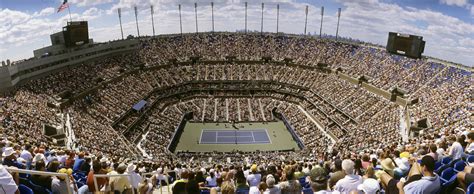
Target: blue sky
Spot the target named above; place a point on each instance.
(446, 25)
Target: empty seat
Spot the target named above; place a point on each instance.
(39, 189)
(25, 190)
(459, 166)
(446, 160)
(448, 180)
(470, 159)
(447, 174)
(470, 189)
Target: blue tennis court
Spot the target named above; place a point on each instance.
(256, 136)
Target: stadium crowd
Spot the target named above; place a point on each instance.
(357, 125)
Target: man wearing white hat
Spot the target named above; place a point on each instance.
(369, 186)
(9, 158)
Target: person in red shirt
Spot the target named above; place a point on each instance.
(70, 160)
(101, 181)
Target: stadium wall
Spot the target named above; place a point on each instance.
(14, 75)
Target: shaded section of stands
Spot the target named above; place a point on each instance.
(179, 131)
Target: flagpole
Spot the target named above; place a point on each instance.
(70, 18)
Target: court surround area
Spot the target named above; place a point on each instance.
(227, 137)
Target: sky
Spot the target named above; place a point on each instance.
(447, 26)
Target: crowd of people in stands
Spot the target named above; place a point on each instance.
(336, 114)
(435, 165)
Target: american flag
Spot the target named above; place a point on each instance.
(63, 6)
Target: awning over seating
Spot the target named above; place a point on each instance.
(138, 106)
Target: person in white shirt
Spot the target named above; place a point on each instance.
(134, 172)
(211, 179)
(456, 150)
(254, 179)
(62, 156)
(26, 154)
(7, 183)
(350, 181)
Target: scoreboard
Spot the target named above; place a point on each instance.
(76, 33)
(405, 44)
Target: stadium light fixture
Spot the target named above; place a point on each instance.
(245, 17)
(152, 22)
(119, 10)
(196, 15)
(261, 23)
(321, 27)
(136, 21)
(180, 21)
(306, 19)
(212, 15)
(278, 16)
(338, 18)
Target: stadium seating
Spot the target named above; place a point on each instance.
(459, 166)
(470, 189)
(25, 190)
(326, 109)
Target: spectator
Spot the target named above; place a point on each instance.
(211, 179)
(7, 182)
(119, 184)
(470, 141)
(272, 187)
(350, 181)
(59, 185)
(338, 174)
(456, 150)
(41, 180)
(291, 185)
(78, 162)
(369, 186)
(254, 179)
(319, 181)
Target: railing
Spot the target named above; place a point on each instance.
(34, 172)
(130, 177)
